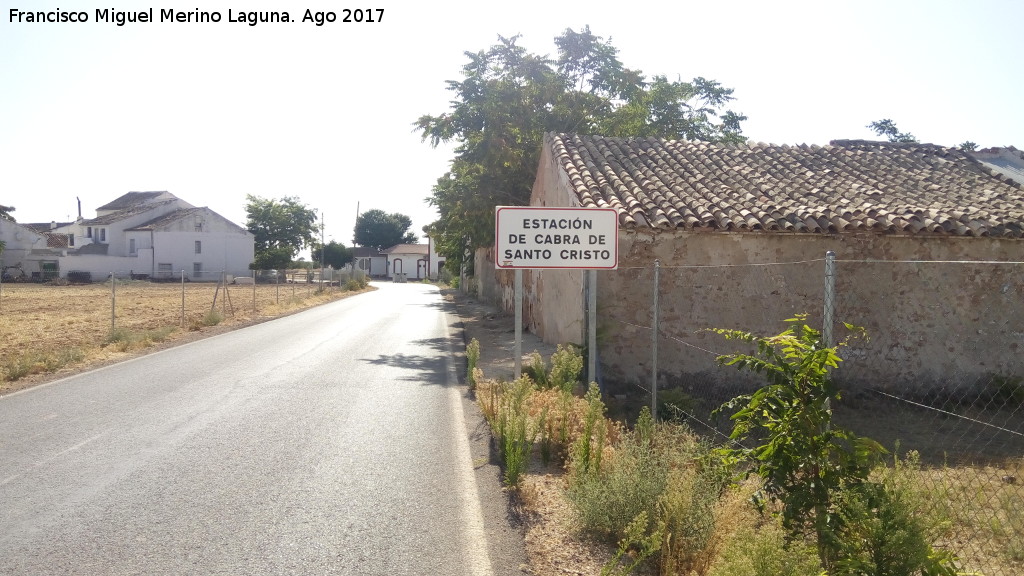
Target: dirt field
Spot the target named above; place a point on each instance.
(52, 330)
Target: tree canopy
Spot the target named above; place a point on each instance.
(281, 229)
(5, 212)
(335, 254)
(508, 98)
(378, 229)
(887, 128)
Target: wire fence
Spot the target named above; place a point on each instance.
(46, 326)
(939, 372)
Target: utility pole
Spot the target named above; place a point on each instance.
(321, 251)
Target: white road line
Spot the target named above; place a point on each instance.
(477, 557)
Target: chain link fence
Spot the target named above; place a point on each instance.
(939, 372)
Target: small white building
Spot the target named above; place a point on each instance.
(408, 261)
(370, 261)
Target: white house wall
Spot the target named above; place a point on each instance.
(220, 252)
(413, 265)
(100, 266)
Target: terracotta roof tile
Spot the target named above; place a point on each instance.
(847, 186)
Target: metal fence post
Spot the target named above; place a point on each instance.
(828, 318)
(182, 297)
(654, 344)
(254, 292)
(113, 303)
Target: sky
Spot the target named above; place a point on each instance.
(213, 112)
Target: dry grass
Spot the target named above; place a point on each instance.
(46, 329)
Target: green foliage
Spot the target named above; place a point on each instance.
(636, 546)
(381, 230)
(35, 362)
(888, 129)
(5, 213)
(607, 499)
(587, 449)
(508, 98)
(335, 254)
(212, 318)
(515, 436)
(565, 370)
(968, 146)
(472, 358)
(674, 404)
(566, 367)
(766, 550)
(802, 458)
(356, 283)
(281, 229)
(537, 370)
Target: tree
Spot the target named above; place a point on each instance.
(380, 230)
(281, 229)
(968, 146)
(335, 254)
(888, 129)
(5, 212)
(508, 98)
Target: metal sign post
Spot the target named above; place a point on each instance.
(528, 237)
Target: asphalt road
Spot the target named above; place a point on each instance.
(334, 441)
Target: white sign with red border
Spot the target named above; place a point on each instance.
(560, 238)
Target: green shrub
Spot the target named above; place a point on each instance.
(607, 499)
(537, 370)
(586, 450)
(802, 458)
(884, 529)
(674, 405)
(687, 509)
(766, 550)
(636, 546)
(566, 367)
(515, 436)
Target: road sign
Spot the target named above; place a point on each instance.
(574, 238)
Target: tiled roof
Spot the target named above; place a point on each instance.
(406, 249)
(365, 252)
(124, 213)
(847, 186)
(129, 200)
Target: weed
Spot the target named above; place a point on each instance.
(39, 362)
(636, 546)
(566, 367)
(674, 405)
(537, 370)
(587, 449)
(472, 358)
(514, 428)
(607, 500)
(765, 550)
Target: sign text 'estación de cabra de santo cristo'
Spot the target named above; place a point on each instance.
(580, 238)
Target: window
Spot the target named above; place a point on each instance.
(131, 245)
(103, 234)
(164, 270)
(197, 269)
(199, 246)
(88, 232)
(71, 239)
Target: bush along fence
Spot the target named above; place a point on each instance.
(45, 327)
(937, 371)
(786, 478)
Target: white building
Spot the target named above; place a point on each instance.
(147, 234)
